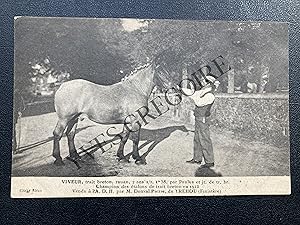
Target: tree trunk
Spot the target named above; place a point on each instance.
(231, 81)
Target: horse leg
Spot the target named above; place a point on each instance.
(120, 152)
(57, 133)
(135, 151)
(135, 154)
(70, 132)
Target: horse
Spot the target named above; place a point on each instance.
(103, 104)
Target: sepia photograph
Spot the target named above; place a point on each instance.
(145, 98)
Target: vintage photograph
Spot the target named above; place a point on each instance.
(150, 98)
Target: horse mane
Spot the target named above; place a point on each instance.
(154, 62)
(133, 72)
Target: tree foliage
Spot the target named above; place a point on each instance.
(102, 51)
(249, 47)
(86, 48)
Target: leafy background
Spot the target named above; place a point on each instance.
(98, 49)
(221, 210)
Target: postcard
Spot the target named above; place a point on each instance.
(150, 107)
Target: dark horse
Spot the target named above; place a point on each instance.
(104, 105)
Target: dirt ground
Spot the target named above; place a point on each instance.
(167, 144)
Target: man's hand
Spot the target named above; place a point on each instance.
(187, 91)
(202, 98)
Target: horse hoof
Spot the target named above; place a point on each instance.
(75, 156)
(136, 157)
(140, 162)
(59, 162)
(123, 160)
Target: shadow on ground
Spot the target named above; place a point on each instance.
(103, 166)
(156, 136)
(206, 172)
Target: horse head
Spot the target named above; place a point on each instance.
(162, 77)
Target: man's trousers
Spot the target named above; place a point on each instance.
(202, 143)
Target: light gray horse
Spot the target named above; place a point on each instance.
(104, 105)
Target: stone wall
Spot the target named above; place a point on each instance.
(262, 117)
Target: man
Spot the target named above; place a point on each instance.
(203, 100)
